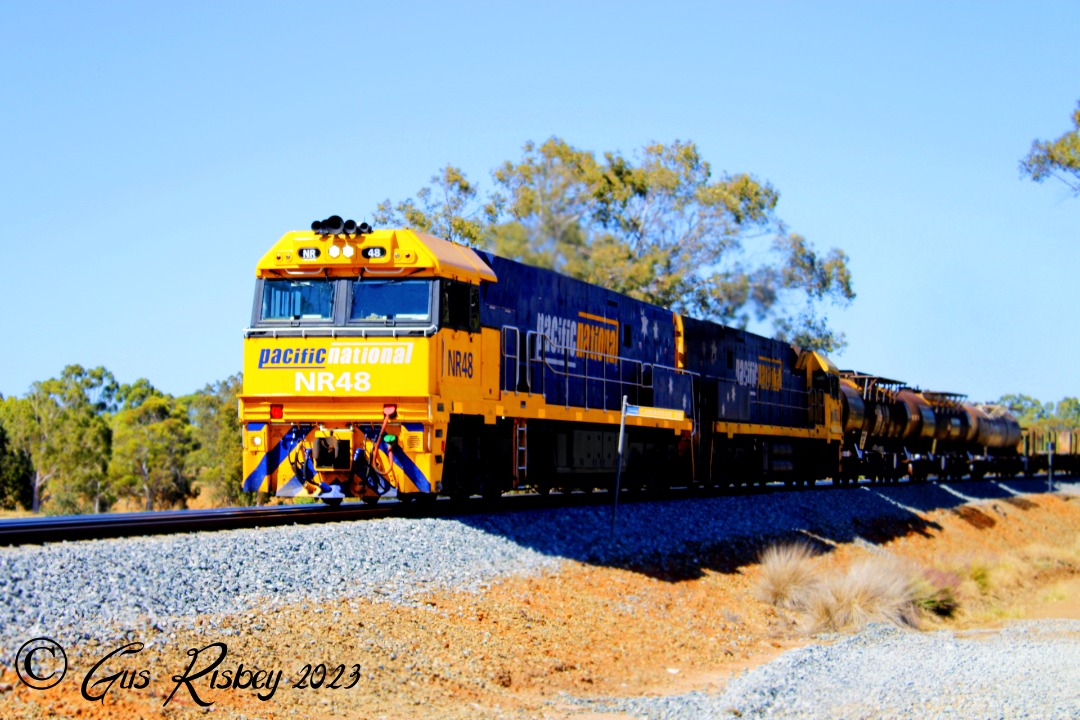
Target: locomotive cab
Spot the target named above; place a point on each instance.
(354, 339)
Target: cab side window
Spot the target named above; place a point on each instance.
(460, 306)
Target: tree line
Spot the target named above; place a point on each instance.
(1034, 413)
(84, 443)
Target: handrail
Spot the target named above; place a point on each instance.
(517, 361)
(339, 331)
(811, 409)
(539, 347)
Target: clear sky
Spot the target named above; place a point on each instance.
(153, 151)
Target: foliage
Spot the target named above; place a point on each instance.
(1033, 413)
(78, 443)
(217, 464)
(438, 209)
(133, 395)
(1056, 158)
(16, 475)
(660, 227)
(151, 443)
(60, 425)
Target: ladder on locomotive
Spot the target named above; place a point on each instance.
(521, 451)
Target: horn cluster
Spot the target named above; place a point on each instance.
(334, 225)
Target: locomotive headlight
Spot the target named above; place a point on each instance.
(334, 251)
(349, 251)
(254, 440)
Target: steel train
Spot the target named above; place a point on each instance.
(393, 362)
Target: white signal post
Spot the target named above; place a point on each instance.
(1050, 466)
(618, 465)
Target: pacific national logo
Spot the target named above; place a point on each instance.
(338, 354)
(766, 375)
(592, 337)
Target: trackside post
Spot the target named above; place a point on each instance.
(618, 466)
(1050, 466)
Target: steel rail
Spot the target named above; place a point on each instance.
(29, 531)
(39, 530)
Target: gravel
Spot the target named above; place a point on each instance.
(83, 590)
(1030, 669)
(105, 589)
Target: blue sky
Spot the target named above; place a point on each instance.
(154, 151)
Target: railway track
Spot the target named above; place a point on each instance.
(29, 531)
(35, 531)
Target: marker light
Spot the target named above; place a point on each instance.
(348, 251)
(334, 251)
(277, 412)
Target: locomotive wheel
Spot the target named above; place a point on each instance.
(370, 499)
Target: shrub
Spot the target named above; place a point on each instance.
(876, 589)
(872, 590)
(788, 574)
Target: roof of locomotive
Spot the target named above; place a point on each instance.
(376, 253)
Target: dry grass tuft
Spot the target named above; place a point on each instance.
(787, 575)
(872, 590)
(875, 589)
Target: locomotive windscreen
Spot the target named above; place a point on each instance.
(297, 300)
(375, 300)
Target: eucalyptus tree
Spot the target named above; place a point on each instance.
(1058, 158)
(661, 226)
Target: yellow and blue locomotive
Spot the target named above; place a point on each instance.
(392, 361)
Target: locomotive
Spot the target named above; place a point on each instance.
(394, 362)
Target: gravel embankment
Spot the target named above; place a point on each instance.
(1031, 669)
(97, 589)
